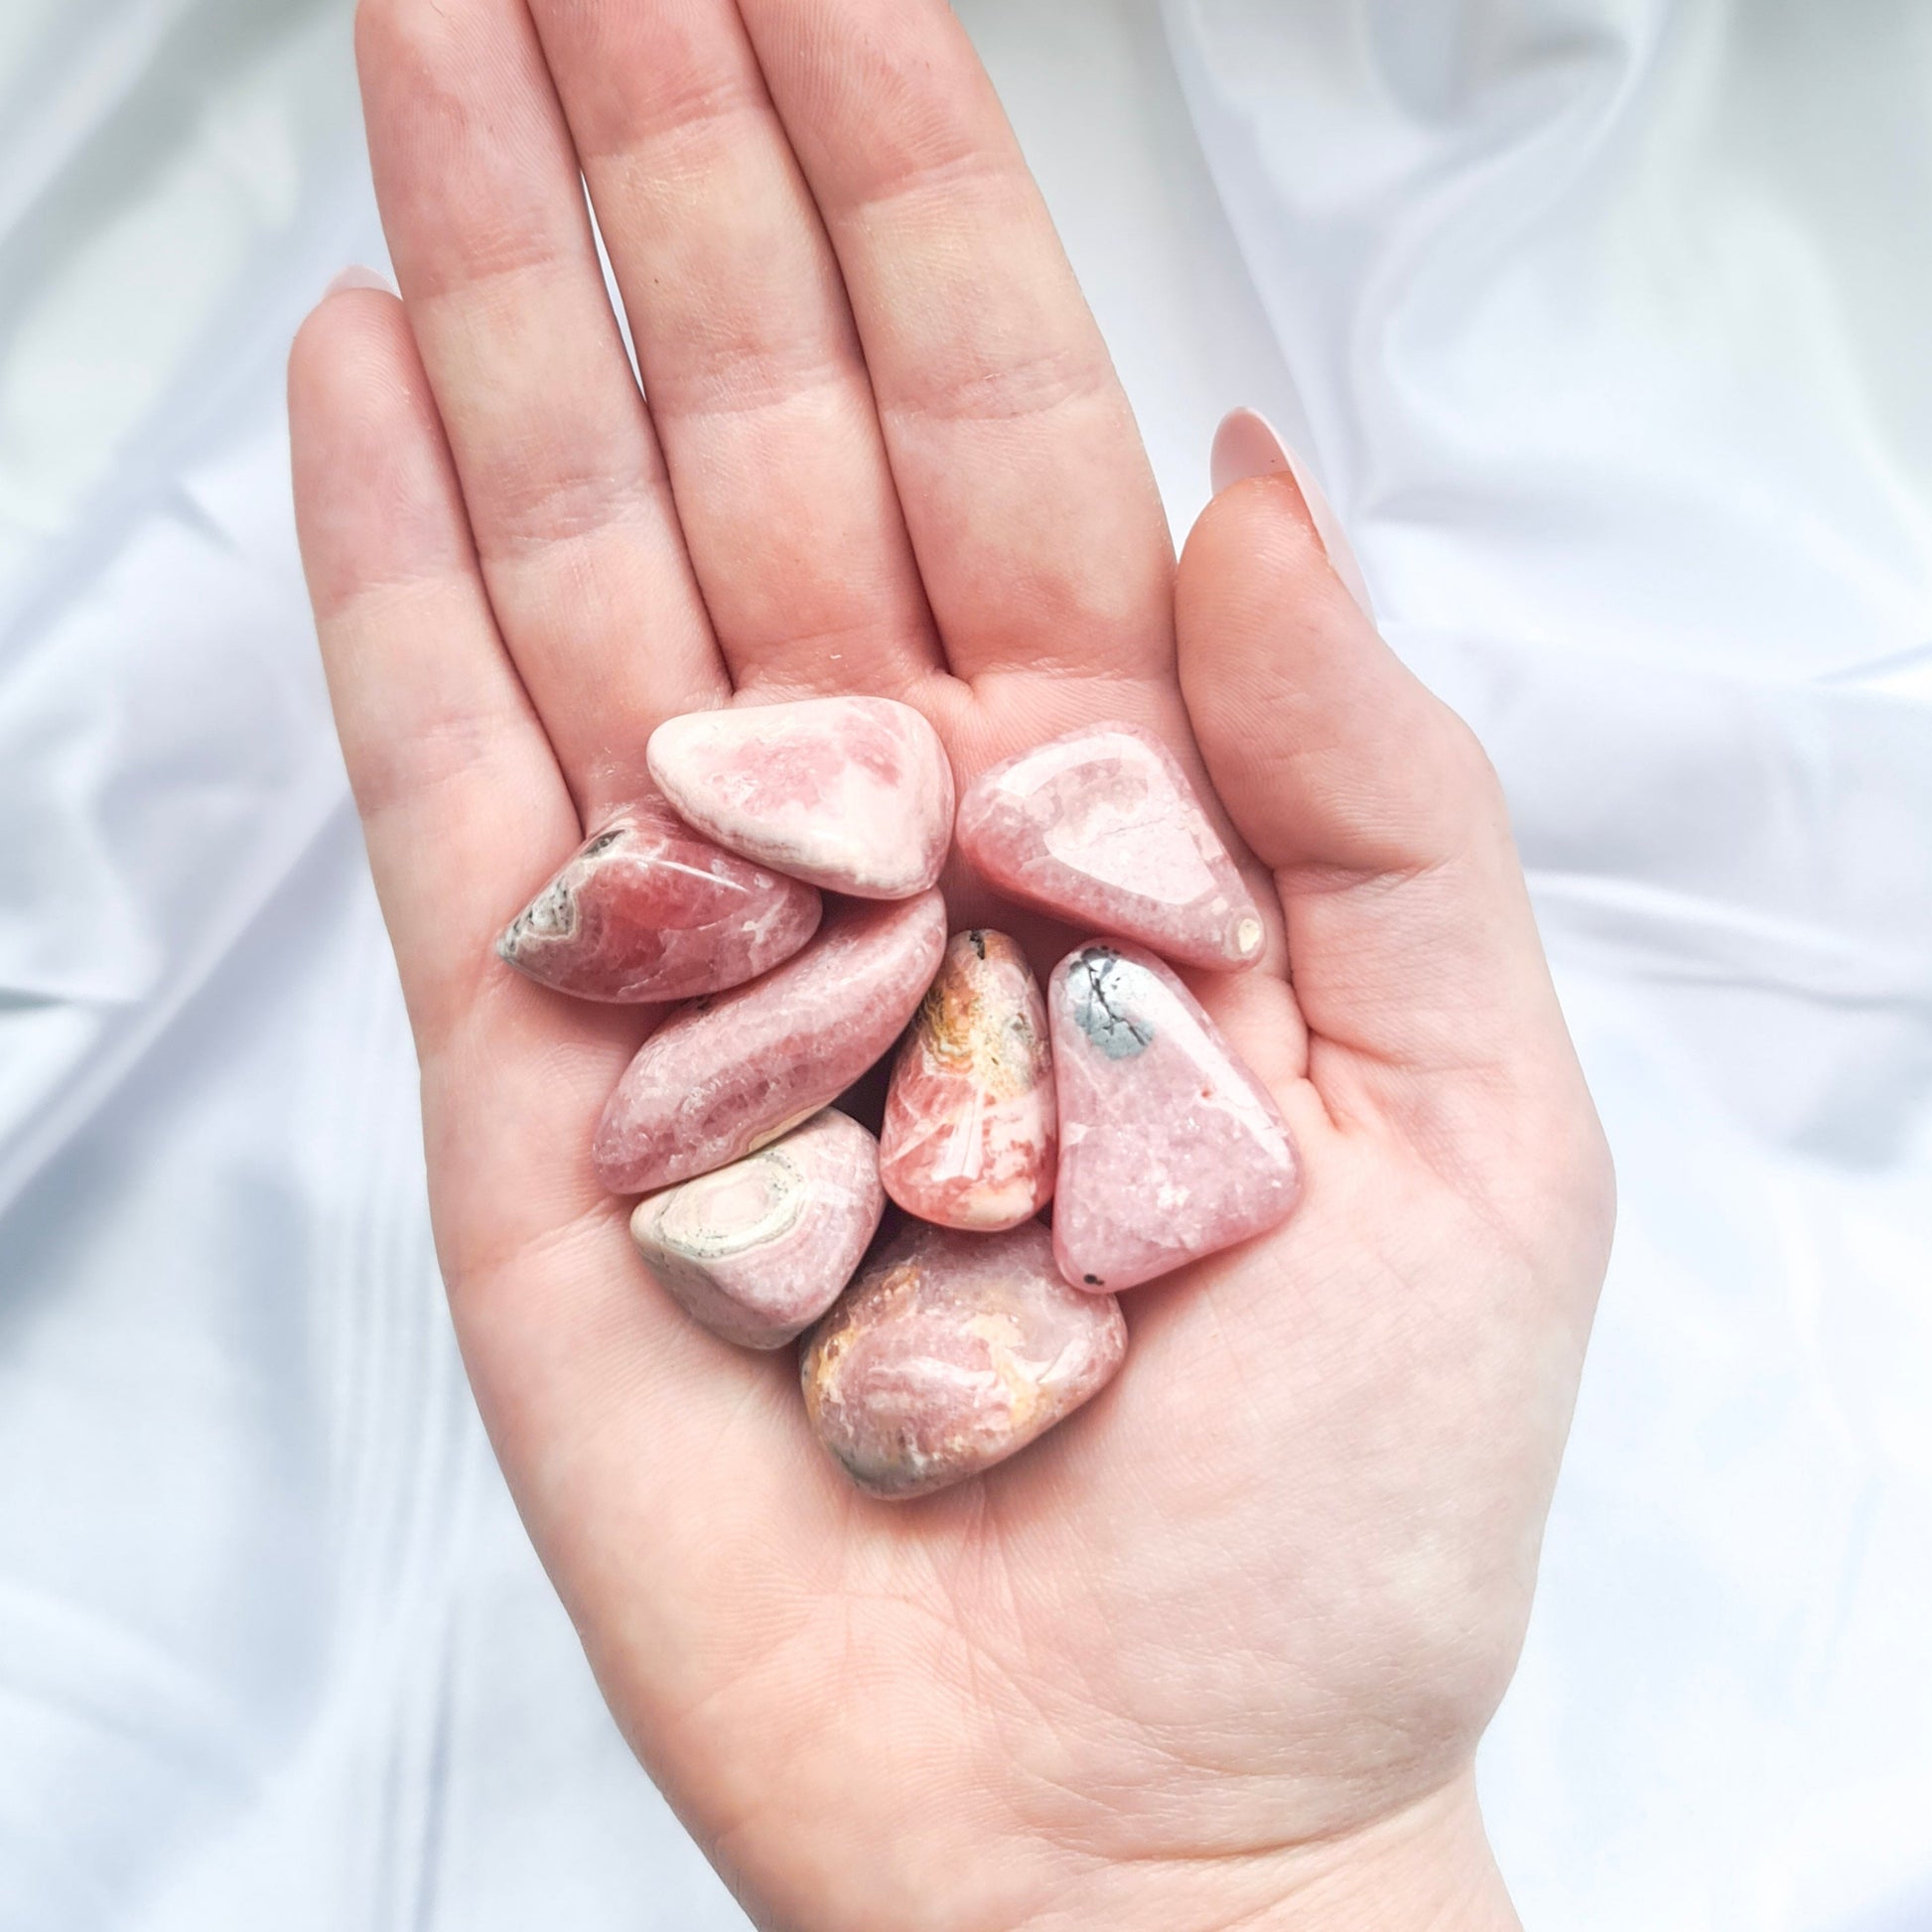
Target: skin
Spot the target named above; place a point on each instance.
(1218, 1653)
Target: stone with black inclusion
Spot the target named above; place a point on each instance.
(1170, 1147)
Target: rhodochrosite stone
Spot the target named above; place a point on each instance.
(761, 1248)
(851, 793)
(1102, 827)
(952, 1351)
(1170, 1147)
(648, 910)
(729, 1073)
(969, 1133)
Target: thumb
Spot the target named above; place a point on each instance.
(1414, 953)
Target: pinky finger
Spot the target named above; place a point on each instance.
(463, 806)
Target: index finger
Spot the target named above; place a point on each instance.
(1038, 532)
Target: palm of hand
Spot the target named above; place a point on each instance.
(1265, 1591)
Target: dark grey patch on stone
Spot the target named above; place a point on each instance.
(1101, 986)
(552, 915)
(977, 939)
(1092, 1280)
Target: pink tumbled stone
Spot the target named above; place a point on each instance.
(1102, 828)
(1170, 1147)
(729, 1073)
(758, 1250)
(646, 910)
(950, 1353)
(851, 793)
(969, 1135)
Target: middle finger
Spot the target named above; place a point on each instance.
(750, 360)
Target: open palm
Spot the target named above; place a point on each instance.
(1218, 1650)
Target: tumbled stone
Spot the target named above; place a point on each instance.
(646, 910)
(1170, 1147)
(727, 1074)
(853, 794)
(1102, 828)
(969, 1133)
(758, 1250)
(950, 1353)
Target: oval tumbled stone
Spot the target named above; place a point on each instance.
(853, 794)
(758, 1250)
(1101, 827)
(969, 1133)
(950, 1353)
(1170, 1147)
(646, 910)
(724, 1075)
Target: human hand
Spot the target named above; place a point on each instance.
(1218, 1651)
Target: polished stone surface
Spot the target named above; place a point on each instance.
(1170, 1147)
(950, 1353)
(758, 1250)
(969, 1135)
(646, 910)
(1102, 828)
(853, 794)
(727, 1074)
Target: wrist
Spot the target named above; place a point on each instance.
(1425, 1869)
(1428, 1868)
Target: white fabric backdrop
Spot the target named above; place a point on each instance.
(1603, 320)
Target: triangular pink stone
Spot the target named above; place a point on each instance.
(1170, 1147)
(1102, 828)
(853, 794)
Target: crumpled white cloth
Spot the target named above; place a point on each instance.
(1601, 319)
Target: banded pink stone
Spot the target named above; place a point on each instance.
(1102, 828)
(969, 1135)
(646, 910)
(758, 1250)
(1170, 1147)
(949, 1353)
(853, 794)
(726, 1074)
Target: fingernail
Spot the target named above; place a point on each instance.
(357, 277)
(1247, 444)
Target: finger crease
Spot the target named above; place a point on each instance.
(695, 109)
(535, 512)
(751, 380)
(1032, 388)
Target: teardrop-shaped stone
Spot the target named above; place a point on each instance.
(726, 1074)
(950, 1353)
(646, 910)
(969, 1135)
(853, 794)
(1102, 828)
(758, 1250)
(1170, 1147)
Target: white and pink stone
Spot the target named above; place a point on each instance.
(1170, 1147)
(756, 1251)
(950, 1353)
(726, 1074)
(853, 794)
(646, 910)
(1102, 828)
(969, 1135)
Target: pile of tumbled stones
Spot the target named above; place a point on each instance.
(971, 1330)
